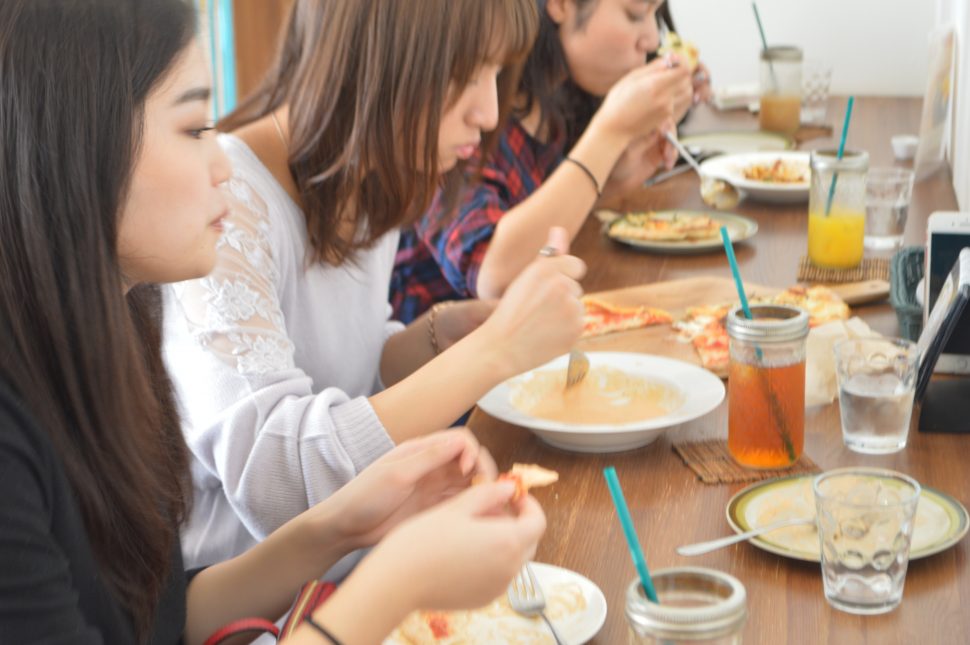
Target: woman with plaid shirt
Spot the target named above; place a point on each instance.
(586, 49)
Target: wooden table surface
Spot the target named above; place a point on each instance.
(671, 507)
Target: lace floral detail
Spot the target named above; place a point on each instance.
(261, 354)
(235, 311)
(232, 302)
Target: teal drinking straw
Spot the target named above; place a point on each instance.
(631, 534)
(733, 261)
(845, 132)
(764, 42)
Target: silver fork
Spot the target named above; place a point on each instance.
(526, 597)
(577, 368)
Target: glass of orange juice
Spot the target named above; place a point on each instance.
(781, 89)
(766, 386)
(837, 208)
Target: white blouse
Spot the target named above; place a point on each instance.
(272, 361)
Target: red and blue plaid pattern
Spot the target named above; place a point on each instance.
(439, 257)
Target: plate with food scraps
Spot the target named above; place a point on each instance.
(574, 604)
(676, 231)
(626, 401)
(941, 521)
(778, 177)
(733, 142)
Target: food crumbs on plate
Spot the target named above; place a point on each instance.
(606, 396)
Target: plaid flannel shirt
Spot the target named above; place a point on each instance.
(439, 257)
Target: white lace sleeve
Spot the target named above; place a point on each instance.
(255, 426)
(234, 312)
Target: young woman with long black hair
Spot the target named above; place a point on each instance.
(111, 182)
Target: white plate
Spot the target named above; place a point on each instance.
(731, 168)
(702, 391)
(941, 521)
(739, 229)
(497, 623)
(731, 142)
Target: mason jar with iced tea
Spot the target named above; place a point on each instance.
(837, 208)
(781, 89)
(766, 385)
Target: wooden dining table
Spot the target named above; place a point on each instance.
(668, 503)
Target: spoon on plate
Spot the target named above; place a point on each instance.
(716, 192)
(713, 545)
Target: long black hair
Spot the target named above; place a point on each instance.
(83, 357)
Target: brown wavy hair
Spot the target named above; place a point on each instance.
(366, 82)
(83, 357)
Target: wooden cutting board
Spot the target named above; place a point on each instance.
(673, 296)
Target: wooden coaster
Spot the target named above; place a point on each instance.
(713, 464)
(869, 269)
(809, 131)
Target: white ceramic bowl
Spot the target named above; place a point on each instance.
(904, 146)
(702, 392)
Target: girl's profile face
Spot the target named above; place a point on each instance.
(171, 220)
(612, 39)
(474, 110)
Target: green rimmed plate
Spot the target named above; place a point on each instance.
(737, 142)
(941, 521)
(739, 228)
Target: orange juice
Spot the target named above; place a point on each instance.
(780, 113)
(766, 414)
(835, 240)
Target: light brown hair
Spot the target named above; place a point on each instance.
(366, 82)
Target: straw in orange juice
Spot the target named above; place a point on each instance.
(835, 240)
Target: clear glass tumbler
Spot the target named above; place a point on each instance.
(877, 378)
(837, 208)
(888, 193)
(816, 79)
(781, 89)
(865, 527)
(697, 605)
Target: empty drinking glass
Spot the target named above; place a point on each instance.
(888, 192)
(816, 79)
(865, 528)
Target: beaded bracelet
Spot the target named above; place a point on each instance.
(432, 335)
(589, 173)
(322, 630)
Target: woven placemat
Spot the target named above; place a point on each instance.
(809, 131)
(869, 269)
(712, 463)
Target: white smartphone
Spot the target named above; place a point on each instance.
(947, 234)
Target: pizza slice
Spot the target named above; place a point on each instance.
(604, 318)
(433, 627)
(528, 476)
(652, 227)
(822, 304)
(674, 44)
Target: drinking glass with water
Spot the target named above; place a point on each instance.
(877, 379)
(888, 193)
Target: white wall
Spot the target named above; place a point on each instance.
(956, 13)
(876, 46)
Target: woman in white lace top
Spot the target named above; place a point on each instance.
(290, 375)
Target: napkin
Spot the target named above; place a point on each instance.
(821, 386)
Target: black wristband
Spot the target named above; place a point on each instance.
(589, 173)
(323, 630)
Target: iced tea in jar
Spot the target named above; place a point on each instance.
(781, 89)
(766, 385)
